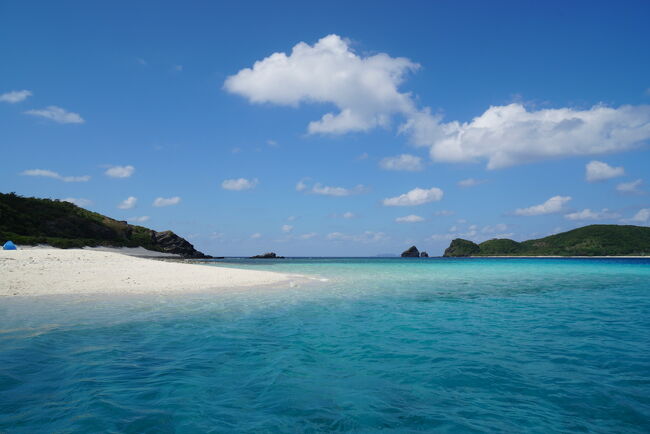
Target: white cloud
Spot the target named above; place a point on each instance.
(291, 218)
(325, 190)
(409, 219)
(287, 228)
(551, 206)
(510, 135)
(470, 182)
(417, 196)
(140, 219)
(256, 235)
(128, 203)
(301, 185)
(364, 89)
(365, 237)
(55, 175)
(499, 227)
(587, 214)
(363, 156)
(272, 143)
(78, 201)
(177, 68)
(630, 187)
(405, 162)
(642, 216)
(308, 236)
(239, 184)
(15, 96)
(599, 171)
(348, 215)
(57, 114)
(161, 201)
(120, 171)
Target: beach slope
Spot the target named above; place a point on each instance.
(74, 271)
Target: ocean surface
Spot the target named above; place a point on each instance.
(399, 345)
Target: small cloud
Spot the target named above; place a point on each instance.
(551, 206)
(499, 227)
(119, 171)
(471, 182)
(417, 196)
(301, 185)
(363, 156)
(216, 235)
(57, 114)
(256, 235)
(587, 214)
(642, 216)
(599, 171)
(141, 61)
(236, 150)
(291, 218)
(630, 187)
(325, 190)
(128, 203)
(404, 162)
(140, 219)
(272, 143)
(409, 219)
(239, 184)
(308, 236)
(15, 96)
(78, 201)
(177, 68)
(444, 213)
(55, 175)
(287, 228)
(161, 201)
(348, 215)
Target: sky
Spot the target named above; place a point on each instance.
(331, 129)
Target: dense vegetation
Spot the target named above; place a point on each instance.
(31, 221)
(593, 240)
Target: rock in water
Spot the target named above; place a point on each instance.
(412, 252)
(424, 254)
(268, 255)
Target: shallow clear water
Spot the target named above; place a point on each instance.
(449, 345)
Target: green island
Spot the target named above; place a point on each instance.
(592, 240)
(33, 221)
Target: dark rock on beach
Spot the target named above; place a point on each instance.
(411, 252)
(169, 242)
(268, 255)
(424, 254)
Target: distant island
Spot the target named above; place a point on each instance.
(32, 221)
(593, 240)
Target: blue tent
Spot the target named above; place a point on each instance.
(9, 245)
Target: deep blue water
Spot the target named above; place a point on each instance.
(445, 345)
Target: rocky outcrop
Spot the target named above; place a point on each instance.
(411, 252)
(460, 248)
(424, 254)
(268, 255)
(169, 242)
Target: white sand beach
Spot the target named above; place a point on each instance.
(48, 271)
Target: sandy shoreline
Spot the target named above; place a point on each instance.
(49, 271)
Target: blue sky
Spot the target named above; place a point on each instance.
(376, 125)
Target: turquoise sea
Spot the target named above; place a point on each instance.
(395, 345)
